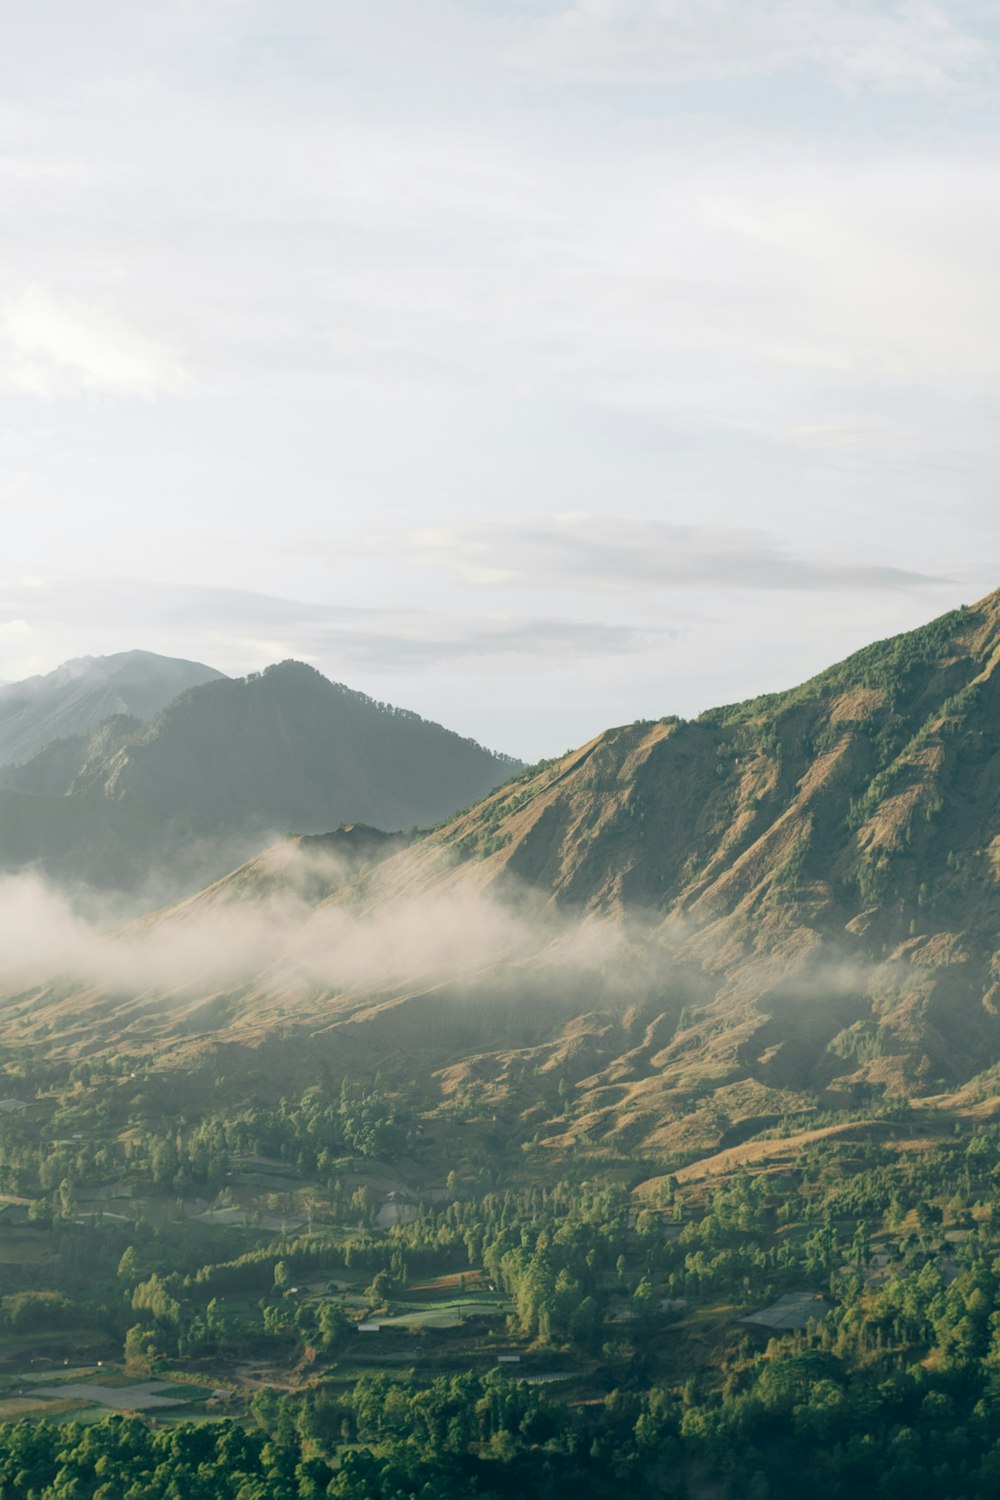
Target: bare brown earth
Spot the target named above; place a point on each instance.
(759, 1153)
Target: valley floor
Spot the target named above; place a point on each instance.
(314, 1274)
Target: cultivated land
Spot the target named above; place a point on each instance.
(234, 1271)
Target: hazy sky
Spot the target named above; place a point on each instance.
(537, 365)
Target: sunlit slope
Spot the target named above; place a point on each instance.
(867, 796)
(696, 927)
(826, 860)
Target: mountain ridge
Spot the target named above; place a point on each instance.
(81, 693)
(803, 897)
(225, 766)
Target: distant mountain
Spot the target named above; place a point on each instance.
(80, 694)
(697, 929)
(224, 767)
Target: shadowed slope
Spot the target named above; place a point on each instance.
(225, 767)
(80, 694)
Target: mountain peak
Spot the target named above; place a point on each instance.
(803, 891)
(224, 767)
(80, 693)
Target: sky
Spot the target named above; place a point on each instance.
(537, 365)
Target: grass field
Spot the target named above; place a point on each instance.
(444, 1314)
(144, 1396)
(22, 1246)
(13, 1408)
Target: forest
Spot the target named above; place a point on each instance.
(297, 1297)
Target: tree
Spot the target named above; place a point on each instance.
(928, 1214)
(380, 1289)
(333, 1323)
(139, 1345)
(67, 1203)
(128, 1267)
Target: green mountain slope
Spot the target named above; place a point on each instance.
(784, 906)
(225, 767)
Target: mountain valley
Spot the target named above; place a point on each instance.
(782, 907)
(637, 1125)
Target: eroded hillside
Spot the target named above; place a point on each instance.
(675, 935)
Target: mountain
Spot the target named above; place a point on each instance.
(80, 694)
(224, 767)
(696, 929)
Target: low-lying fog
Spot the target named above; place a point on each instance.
(283, 938)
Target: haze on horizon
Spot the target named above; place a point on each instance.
(533, 364)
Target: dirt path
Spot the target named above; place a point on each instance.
(754, 1153)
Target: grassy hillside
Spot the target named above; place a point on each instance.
(680, 934)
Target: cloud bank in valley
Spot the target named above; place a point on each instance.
(279, 941)
(279, 955)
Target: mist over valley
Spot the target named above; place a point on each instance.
(396, 1104)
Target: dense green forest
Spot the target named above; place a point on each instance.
(299, 1298)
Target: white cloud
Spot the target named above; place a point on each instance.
(903, 48)
(623, 553)
(55, 340)
(237, 629)
(429, 263)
